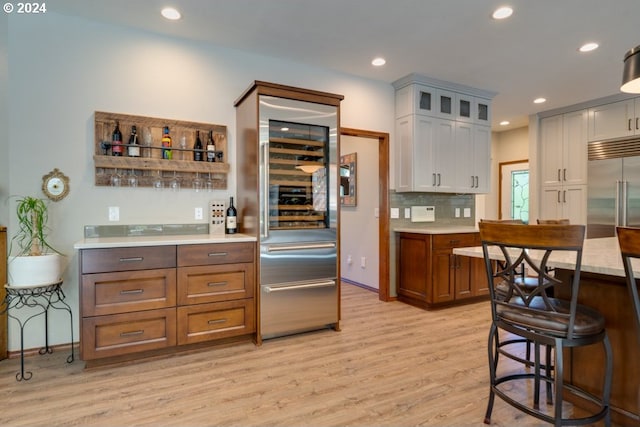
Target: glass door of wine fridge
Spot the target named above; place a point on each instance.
(298, 163)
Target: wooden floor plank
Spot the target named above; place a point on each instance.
(391, 365)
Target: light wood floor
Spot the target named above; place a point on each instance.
(391, 365)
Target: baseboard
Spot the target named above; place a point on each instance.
(360, 285)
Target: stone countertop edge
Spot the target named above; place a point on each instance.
(136, 241)
(448, 229)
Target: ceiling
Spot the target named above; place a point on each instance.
(532, 54)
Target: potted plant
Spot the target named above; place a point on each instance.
(36, 262)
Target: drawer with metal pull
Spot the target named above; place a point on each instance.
(127, 259)
(218, 253)
(214, 283)
(204, 322)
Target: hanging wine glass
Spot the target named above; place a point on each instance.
(158, 183)
(209, 183)
(132, 180)
(174, 182)
(197, 183)
(116, 179)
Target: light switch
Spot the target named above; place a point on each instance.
(395, 213)
(467, 212)
(407, 212)
(457, 213)
(114, 213)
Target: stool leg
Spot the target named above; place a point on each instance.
(548, 370)
(492, 347)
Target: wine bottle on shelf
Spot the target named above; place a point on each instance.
(211, 148)
(116, 141)
(231, 224)
(133, 148)
(197, 148)
(166, 144)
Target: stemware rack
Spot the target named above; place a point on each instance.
(150, 164)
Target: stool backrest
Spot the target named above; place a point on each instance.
(564, 221)
(531, 245)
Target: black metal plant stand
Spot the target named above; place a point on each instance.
(42, 298)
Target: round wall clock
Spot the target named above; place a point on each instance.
(55, 185)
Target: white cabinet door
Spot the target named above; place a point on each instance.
(464, 160)
(564, 202)
(415, 153)
(404, 153)
(574, 148)
(609, 121)
(482, 158)
(444, 175)
(551, 150)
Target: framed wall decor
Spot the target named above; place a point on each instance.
(348, 179)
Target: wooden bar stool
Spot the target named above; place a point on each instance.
(539, 317)
(629, 241)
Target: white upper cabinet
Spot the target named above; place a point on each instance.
(563, 145)
(615, 120)
(443, 137)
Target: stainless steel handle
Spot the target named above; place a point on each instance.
(564, 174)
(266, 193)
(215, 321)
(623, 199)
(438, 180)
(217, 254)
(473, 181)
(477, 182)
(131, 291)
(279, 248)
(328, 283)
(132, 259)
(564, 196)
(434, 180)
(559, 197)
(629, 125)
(212, 284)
(132, 333)
(559, 178)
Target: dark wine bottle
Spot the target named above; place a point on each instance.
(231, 225)
(211, 148)
(197, 148)
(116, 141)
(166, 144)
(133, 148)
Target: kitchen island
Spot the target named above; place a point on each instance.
(603, 287)
(156, 294)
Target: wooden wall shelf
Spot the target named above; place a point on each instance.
(150, 164)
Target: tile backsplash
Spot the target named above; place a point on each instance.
(445, 207)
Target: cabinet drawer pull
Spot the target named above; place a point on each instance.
(211, 284)
(217, 254)
(132, 259)
(131, 291)
(629, 127)
(132, 333)
(434, 180)
(215, 321)
(637, 123)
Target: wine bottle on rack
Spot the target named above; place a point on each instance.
(116, 141)
(197, 148)
(166, 144)
(231, 224)
(211, 148)
(133, 148)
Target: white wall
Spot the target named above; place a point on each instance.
(358, 225)
(62, 69)
(4, 118)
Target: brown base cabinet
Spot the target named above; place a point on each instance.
(138, 299)
(430, 275)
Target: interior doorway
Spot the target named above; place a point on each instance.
(513, 198)
(382, 184)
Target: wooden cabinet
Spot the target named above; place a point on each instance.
(216, 285)
(563, 167)
(615, 120)
(430, 275)
(444, 138)
(137, 299)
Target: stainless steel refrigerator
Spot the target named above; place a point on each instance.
(288, 198)
(613, 187)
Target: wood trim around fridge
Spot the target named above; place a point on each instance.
(3, 280)
(383, 223)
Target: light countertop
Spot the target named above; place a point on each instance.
(135, 241)
(438, 229)
(598, 256)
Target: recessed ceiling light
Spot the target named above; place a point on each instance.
(378, 62)
(588, 47)
(502, 12)
(504, 123)
(170, 13)
(539, 100)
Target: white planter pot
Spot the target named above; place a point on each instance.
(40, 270)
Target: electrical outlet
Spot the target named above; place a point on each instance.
(457, 213)
(349, 260)
(467, 212)
(363, 262)
(198, 213)
(407, 212)
(114, 213)
(395, 213)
